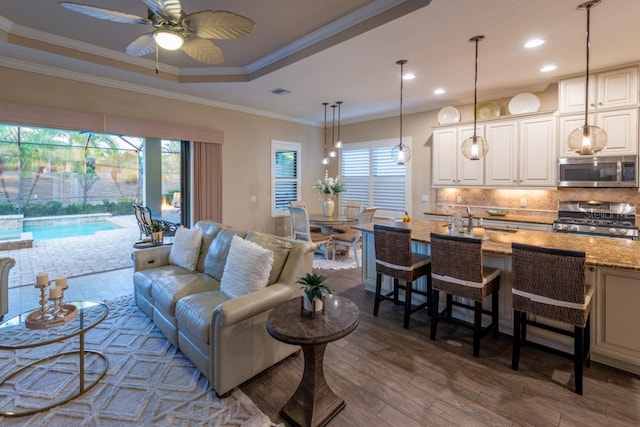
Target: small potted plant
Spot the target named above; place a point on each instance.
(314, 289)
(156, 231)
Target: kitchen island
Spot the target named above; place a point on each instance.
(614, 268)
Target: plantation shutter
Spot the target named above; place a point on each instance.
(370, 175)
(286, 176)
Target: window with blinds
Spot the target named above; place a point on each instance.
(285, 176)
(371, 176)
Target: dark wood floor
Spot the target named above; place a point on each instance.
(390, 376)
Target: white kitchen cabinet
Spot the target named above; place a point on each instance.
(616, 340)
(521, 153)
(450, 167)
(537, 152)
(621, 127)
(610, 89)
(501, 162)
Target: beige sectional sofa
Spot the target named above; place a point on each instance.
(226, 338)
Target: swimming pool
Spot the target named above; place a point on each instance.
(58, 231)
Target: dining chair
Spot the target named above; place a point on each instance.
(300, 229)
(551, 283)
(457, 269)
(352, 238)
(395, 258)
(300, 203)
(352, 209)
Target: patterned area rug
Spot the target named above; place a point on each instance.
(148, 381)
(342, 262)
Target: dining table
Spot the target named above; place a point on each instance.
(328, 223)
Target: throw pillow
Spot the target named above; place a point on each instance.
(186, 248)
(280, 250)
(247, 268)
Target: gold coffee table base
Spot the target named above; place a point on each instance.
(83, 388)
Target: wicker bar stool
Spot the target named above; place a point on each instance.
(394, 258)
(457, 269)
(551, 283)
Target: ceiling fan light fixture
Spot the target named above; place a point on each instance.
(167, 39)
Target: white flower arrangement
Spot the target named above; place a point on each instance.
(328, 185)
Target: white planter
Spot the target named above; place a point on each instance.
(308, 305)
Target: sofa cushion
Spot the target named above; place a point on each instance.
(247, 268)
(186, 248)
(143, 279)
(193, 313)
(210, 230)
(166, 291)
(279, 248)
(218, 250)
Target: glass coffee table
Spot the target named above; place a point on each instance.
(29, 389)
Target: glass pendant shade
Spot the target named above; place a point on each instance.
(325, 161)
(587, 140)
(333, 153)
(475, 148)
(168, 40)
(401, 154)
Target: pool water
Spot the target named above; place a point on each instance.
(44, 232)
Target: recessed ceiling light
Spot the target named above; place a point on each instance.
(548, 68)
(439, 91)
(408, 76)
(534, 43)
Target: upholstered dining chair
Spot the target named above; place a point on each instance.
(457, 269)
(551, 283)
(394, 258)
(300, 229)
(353, 238)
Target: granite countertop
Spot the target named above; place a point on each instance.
(601, 251)
(508, 217)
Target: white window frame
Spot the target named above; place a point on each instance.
(284, 146)
(377, 144)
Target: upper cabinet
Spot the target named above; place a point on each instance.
(450, 167)
(522, 152)
(611, 89)
(613, 106)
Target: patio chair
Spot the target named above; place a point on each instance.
(143, 217)
(6, 264)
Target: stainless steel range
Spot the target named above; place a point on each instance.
(597, 218)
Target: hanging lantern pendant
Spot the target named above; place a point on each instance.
(587, 140)
(401, 153)
(475, 147)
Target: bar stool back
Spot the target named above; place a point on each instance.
(394, 258)
(457, 269)
(551, 283)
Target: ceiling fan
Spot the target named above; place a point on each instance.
(174, 29)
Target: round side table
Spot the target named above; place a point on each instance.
(313, 403)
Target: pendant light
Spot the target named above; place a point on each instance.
(333, 152)
(587, 140)
(325, 158)
(401, 153)
(475, 147)
(339, 141)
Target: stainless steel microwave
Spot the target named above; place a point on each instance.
(600, 172)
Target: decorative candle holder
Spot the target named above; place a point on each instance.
(56, 310)
(61, 283)
(42, 282)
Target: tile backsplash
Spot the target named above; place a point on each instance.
(533, 202)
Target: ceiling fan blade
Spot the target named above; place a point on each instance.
(143, 45)
(203, 50)
(100, 13)
(170, 8)
(219, 25)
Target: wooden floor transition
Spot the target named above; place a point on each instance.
(390, 376)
